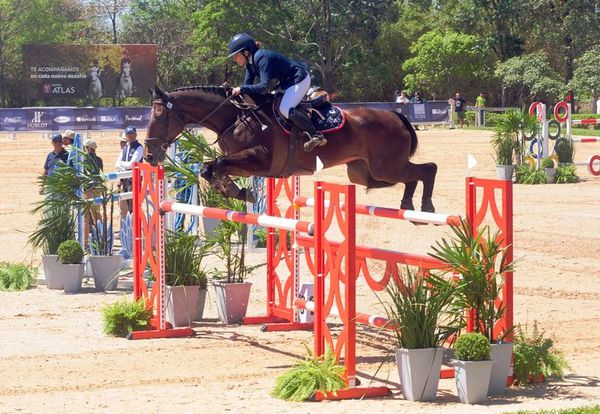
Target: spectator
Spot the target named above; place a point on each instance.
(94, 165)
(598, 105)
(94, 160)
(417, 98)
(68, 139)
(402, 98)
(58, 155)
(132, 152)
(461, 106)
(480, 103)
(480, 100)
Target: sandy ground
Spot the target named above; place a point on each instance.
(54, 357)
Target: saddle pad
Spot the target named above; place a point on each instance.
(334, 120)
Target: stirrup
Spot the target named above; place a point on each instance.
(316, 140)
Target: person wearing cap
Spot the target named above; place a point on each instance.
(68, 139)
(95, 161)
(132, 152)
(56, 156)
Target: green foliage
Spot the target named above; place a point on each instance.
(123, 317)
(420, 311)
(440, 59)
(472, 347)
(55, 226)
(70, 252)
(565, 150)
(526, 174)
(261, 237)
(530, 76)
(481, 260)
(547, 162)
(535, 354)
(566, 173)
(16, 276)
(507, 132)
(309, 376)
(592, 409)
(183, 259)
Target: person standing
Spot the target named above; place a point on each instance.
(93, 165)
(460, 108)
(132, 152)
(56, 156)
(598, 105)
(402, 98)
(480, 104)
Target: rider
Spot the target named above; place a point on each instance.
(275, 71)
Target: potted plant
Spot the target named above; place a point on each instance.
(535, 356)
(472, 367)
(70, 256)
(422, 319)
(55, 226)
(232, 291)
(481, 261)
(186, 280)
(508, 140)
(548, 166)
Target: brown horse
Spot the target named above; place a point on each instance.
(375, 145)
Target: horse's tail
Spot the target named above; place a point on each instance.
(414, 141)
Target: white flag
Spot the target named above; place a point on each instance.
(471, 161)
(319, 164)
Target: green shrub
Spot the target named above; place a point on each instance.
(70, 252)
(261, 237)
(183, 259)
(565, 150)
(309, 376)
(534, 354)
(566, 174)
(123, 317)
(547, 162)
(527, 174)
(472, 347)
(16, 276)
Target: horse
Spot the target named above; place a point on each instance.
(125, 84)
(95, 84)
(375, 145)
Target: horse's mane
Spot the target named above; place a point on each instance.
(215, 90)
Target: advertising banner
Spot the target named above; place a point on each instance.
(89, 71)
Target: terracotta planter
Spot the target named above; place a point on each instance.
(232, 301)
(537, 379)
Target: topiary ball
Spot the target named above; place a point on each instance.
(70, 252)
(472, 347)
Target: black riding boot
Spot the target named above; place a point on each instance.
(301, 121)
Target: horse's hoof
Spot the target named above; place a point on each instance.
(427, 206)
(407, 205)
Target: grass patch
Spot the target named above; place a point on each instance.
(16, 276)
(593, 409)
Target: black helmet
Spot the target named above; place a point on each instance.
(240, 42)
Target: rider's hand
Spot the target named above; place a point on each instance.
(236, 91)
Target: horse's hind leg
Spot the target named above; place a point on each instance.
(358, 173)
(410, 174)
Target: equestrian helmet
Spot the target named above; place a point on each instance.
(239, 42)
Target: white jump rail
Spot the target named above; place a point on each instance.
(115, 197)
(240, 217)
(117, 175)
(393, 213)
(363, 318)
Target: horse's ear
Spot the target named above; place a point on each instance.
(159, 94)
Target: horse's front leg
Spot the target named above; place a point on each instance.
(251, 161)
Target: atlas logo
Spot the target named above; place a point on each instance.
(104, 118)
(62, 119)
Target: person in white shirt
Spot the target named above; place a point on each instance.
(131, 152)
(598, 105)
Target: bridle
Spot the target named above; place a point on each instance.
(170, 106)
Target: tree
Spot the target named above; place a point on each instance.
(531, 77)
(111, 9)
(442, 62)
(586, 78)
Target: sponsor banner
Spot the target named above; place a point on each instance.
(78, 119)
(426, 112)
(89, 71)
(58, 119)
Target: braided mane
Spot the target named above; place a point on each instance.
(215, 90)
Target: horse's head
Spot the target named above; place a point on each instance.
(166, 123)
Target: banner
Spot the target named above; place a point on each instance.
(89, 71)
(103, 118)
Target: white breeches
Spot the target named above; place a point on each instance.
(293, 95)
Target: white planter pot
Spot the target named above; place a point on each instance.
(201, 302)
(472, 380)
(419, 371)
(182, 304)
(505, 172)
(210, 225)
(52, 271)
(232, 301)
(72, 276)
(502, 357)
(550, 175)
(105, 270)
